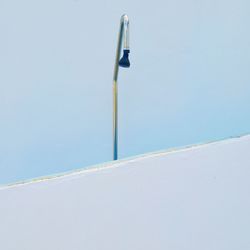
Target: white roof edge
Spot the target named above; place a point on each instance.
(118, 163)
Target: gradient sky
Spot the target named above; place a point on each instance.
(188, 82)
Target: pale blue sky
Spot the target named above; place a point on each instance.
(188, 82)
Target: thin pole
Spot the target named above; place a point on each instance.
(124, 18)
(115, 121)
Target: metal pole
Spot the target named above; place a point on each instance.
(124, 23)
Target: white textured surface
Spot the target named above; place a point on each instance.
(196, 198)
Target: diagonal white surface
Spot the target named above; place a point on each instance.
(195, 198)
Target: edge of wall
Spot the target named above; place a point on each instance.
(119, 163)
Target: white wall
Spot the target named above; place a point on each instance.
(196, 198)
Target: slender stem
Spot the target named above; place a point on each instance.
(115, 121)
(124, 22)
(115, 92)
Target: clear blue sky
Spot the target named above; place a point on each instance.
(188, 82)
